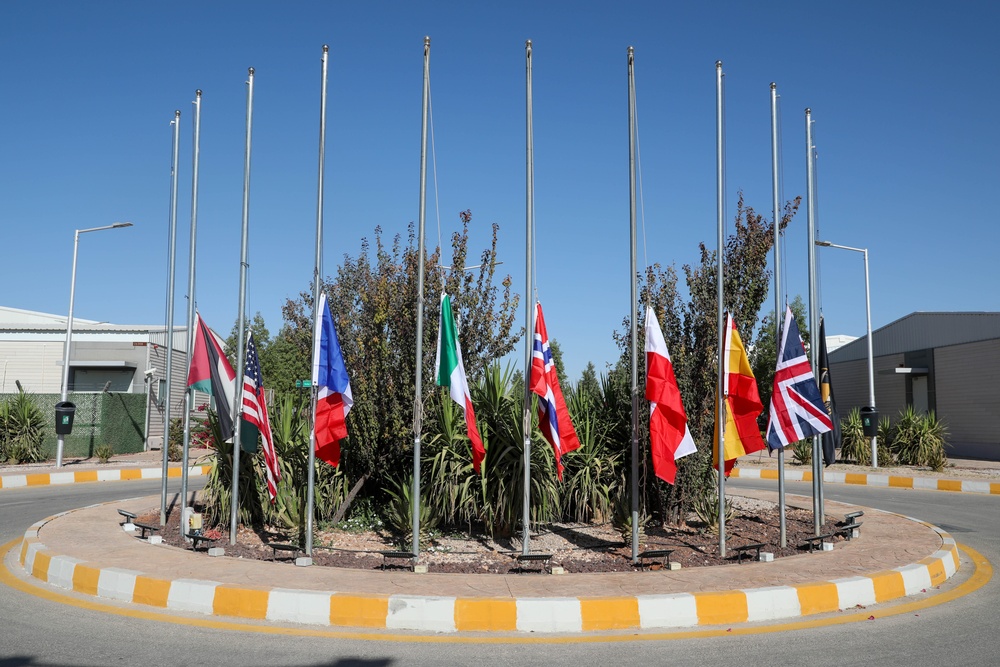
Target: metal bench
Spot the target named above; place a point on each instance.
(646, 557)
(197, 537)
(145, 528)
(745, 549)
(543, 559)
(817, 541)
(285, 548)
(395, 555)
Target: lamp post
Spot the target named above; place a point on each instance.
(64, 390)
(871, 360)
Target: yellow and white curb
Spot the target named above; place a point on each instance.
(460, 614)
(871, 479)
(107, 475)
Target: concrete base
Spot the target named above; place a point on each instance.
(420, 569)
(766, 557)
(216, 551)
(827, 546)
(557, 570)
(128, 527)
(674, 566)
(155, 539)
(303, 561)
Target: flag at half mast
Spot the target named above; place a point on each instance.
(797, 410)
(669, 436)
(742, 402)
(333, 388)
(553, 415)
(450, 372)
(255, 417)
(210, 372)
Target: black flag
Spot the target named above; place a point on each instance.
(831, 439)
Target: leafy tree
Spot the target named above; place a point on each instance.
(557, 361)
(261, 338)
(589, 387)
(764, 353)
(373, 301)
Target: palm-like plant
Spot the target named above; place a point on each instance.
(22, 427)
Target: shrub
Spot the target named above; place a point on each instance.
(104, 453)
(22, 428)
(919, 439)
(706, 507)
(803, 451)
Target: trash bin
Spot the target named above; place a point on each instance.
(64, 417)
(869, 421)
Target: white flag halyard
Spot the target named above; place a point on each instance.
(669, 436)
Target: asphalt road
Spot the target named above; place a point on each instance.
(36, 631)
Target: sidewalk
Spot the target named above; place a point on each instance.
(86, 551)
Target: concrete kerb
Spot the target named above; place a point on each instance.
(10, 481)
(871, 479)
(527, 608)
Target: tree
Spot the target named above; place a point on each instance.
(764, 353)
(261, 338)
(690, 329)
(589, 387)
(373, 302)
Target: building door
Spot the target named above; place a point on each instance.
(920, 404)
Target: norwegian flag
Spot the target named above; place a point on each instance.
(553, 415)
(797, 410)
(255, 413)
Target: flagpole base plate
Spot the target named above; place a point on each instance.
(303, 561)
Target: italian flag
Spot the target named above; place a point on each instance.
(450, 373)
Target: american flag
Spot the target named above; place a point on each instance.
(797, 410)
(255, 412)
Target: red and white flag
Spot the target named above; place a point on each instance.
(669, 436)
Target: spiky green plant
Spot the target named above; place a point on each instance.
(219, 482)
(706, 507)
(399, 513)
(104, 453)
(803, 451)
(590, 474)
(22, 428)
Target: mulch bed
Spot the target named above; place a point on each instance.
(575, 547)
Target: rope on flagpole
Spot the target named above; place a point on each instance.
(437, 200)
(642, 202)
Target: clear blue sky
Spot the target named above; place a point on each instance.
(903, 97)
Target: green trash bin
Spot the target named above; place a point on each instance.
(869, 421)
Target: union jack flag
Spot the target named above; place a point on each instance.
(553, 415)
(797, 409)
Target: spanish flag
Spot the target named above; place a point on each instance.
(742, 435)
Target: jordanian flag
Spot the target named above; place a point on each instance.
(451, 373)
(211, 373)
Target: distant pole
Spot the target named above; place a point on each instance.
(171, 267)
(813, 315)
(529, 306)
(317, 287)
(418, 402)
(776, 204)
(234, 520)
(189, 393)
(633, 300)
(720, 205)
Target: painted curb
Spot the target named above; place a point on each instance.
(871, 479)
(459, 614)
(108, 475)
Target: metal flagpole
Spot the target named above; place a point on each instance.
(634, 338)
(418, 403)
(529, 306)
(241, 321)
(189, 393)
(172, 244)
(778, 313)
(721, 402)
(813, 316)
(317, 316)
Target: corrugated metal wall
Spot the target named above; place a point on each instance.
(967, 397)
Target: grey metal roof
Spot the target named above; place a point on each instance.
(921, 331)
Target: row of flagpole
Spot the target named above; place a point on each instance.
(553, 417)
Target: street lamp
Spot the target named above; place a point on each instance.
(871, 360)
(69, 327)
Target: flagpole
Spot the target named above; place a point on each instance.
(813, 314)
(317, 316)
(529, 330)
(241, 322)
(719, 205)
(172, 263)
(776, 204)
(418, 404)
(189, 393)
(633, 334)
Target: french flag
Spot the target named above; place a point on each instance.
(333, 388)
